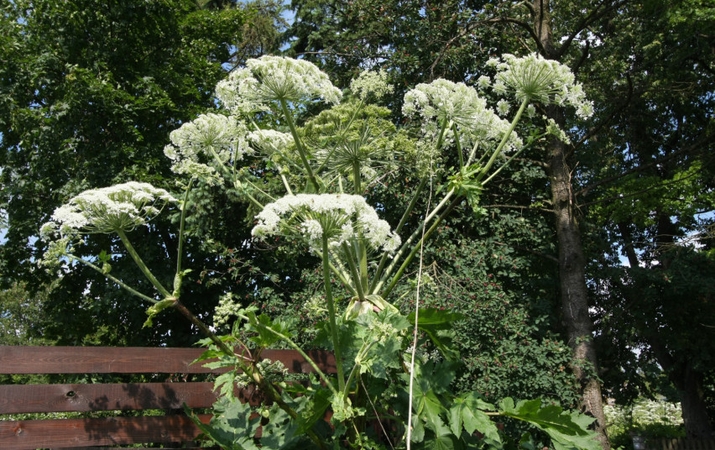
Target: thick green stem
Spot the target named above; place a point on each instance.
(356, 176)
(140, 263)
(357, 282)
(504, 140)
(408, 244)
(459, 145)
(202, 327)
(332, 315)
(297, 348)
(383, 260)
(299, 145)
(416, 248)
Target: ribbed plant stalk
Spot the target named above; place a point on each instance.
(355, 274)
(417, 247)
(331, 313)
(504, 140)
(299, 145)
(408, 211)
(140, 263)
(408, 245)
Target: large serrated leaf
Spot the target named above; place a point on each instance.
(568, 430)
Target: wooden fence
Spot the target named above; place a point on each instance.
(171, 428)
(680, 444)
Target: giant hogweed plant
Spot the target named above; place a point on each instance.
(388, 391)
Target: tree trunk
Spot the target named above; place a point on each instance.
(574, 294)
(572, 263)
(695, 415)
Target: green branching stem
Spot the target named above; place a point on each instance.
(180, 251)
(121, 284)
(511, 158)
(417, 247)
(297, 348)
(299, 146)
(459, 145)
(504, 140)
(357, 282)
(331, 313)
(383, 260)
(202, 327)
(408, 245)
(140, 263)
(356, 368)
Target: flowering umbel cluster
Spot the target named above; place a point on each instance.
(339, 217)
(202, 147)
(540, 80)
(272, 78)
(121, 207)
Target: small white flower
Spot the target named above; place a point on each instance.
(484, 82)
(444, 100)
(270, 141)
(503, 107)
(198, 148)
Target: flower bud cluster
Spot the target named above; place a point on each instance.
(371, 85)
(273, 78)
(339, 217)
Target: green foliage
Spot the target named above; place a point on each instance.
(317, 174)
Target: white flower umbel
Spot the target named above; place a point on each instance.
(273, 78)
(541, 80)
(441, 102)
(122, 207)
(339, 217)
(201, 147)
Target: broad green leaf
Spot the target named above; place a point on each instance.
(231, 427)
(468, 412)
(568, 430)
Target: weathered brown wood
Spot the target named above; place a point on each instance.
(73, 433)
(15, 399)
(69, 360)
(86, 433)
(681, 444)
(39, 398)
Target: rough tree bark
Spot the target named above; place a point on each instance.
(572, 263)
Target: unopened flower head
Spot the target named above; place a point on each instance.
(541, 80)
(371, 84)
(198, 147)
(106, 210)
(339, 217)
(274, 78)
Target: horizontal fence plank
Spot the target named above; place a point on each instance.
(75, 360)
(73, 433)
(681, 444)
(15, 399)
